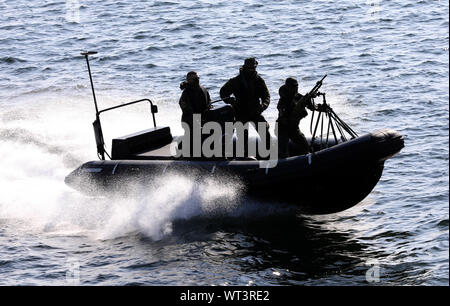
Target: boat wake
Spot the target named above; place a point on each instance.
(42, 203)
(37, 156)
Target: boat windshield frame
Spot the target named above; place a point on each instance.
(153, 108)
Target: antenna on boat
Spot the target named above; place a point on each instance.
(86, 55)
(97, 126)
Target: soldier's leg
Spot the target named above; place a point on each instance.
(241, 140)
(258, 119)
(187, 140)
(282, 133)
(298, 138)
(246, 149)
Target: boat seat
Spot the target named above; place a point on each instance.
(160, 153)
(127, 147)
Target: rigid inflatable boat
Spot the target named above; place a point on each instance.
(342, 169)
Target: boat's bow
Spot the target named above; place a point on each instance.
(386, 143)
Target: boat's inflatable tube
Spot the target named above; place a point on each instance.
(327, 181)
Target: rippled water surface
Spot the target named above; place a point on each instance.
(387, 64)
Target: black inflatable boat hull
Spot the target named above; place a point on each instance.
(328, 181)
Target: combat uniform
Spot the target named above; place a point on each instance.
(195, 99)
(288, 122)
(251, 97)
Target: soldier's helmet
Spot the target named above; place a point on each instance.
(192, 75)
(291, 82)
(251, 63)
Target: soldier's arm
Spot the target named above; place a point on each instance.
(185, 104)
(265, 95)
(226, 90)
(282, 108)
(208, 100)
(308, 103)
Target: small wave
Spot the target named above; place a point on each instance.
(198, 36)
(429, 62)
(164, 3)
(25, 69)
(144, 266)
(108, 58)
(180, 45)
(7, 263)
(50, 4)
(43, 246)
(299, 52)
(140, 36)
(389, 68)
(153, 48)
(408, 5)
(12, 27)
(331, 59)
(11, 60)
(391, 234)
(270, 55)
(386, 112)
(443, 223)
(109, 41)
(105, 15)
(255, 27)
(186, 27)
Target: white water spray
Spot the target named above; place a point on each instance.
(42, 144)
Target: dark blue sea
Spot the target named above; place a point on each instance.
(388, 67)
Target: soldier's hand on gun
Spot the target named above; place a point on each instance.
(229, 100)
(297, 97)
(321, 107)
(306, 101)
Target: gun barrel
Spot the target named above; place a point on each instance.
(317, 86)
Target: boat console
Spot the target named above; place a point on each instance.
(128, 146)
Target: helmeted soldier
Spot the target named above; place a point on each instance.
(291, 109)
(250, 96)
(195, 99)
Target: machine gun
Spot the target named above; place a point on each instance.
(307, 100)
(315, 91)
(335, 124)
